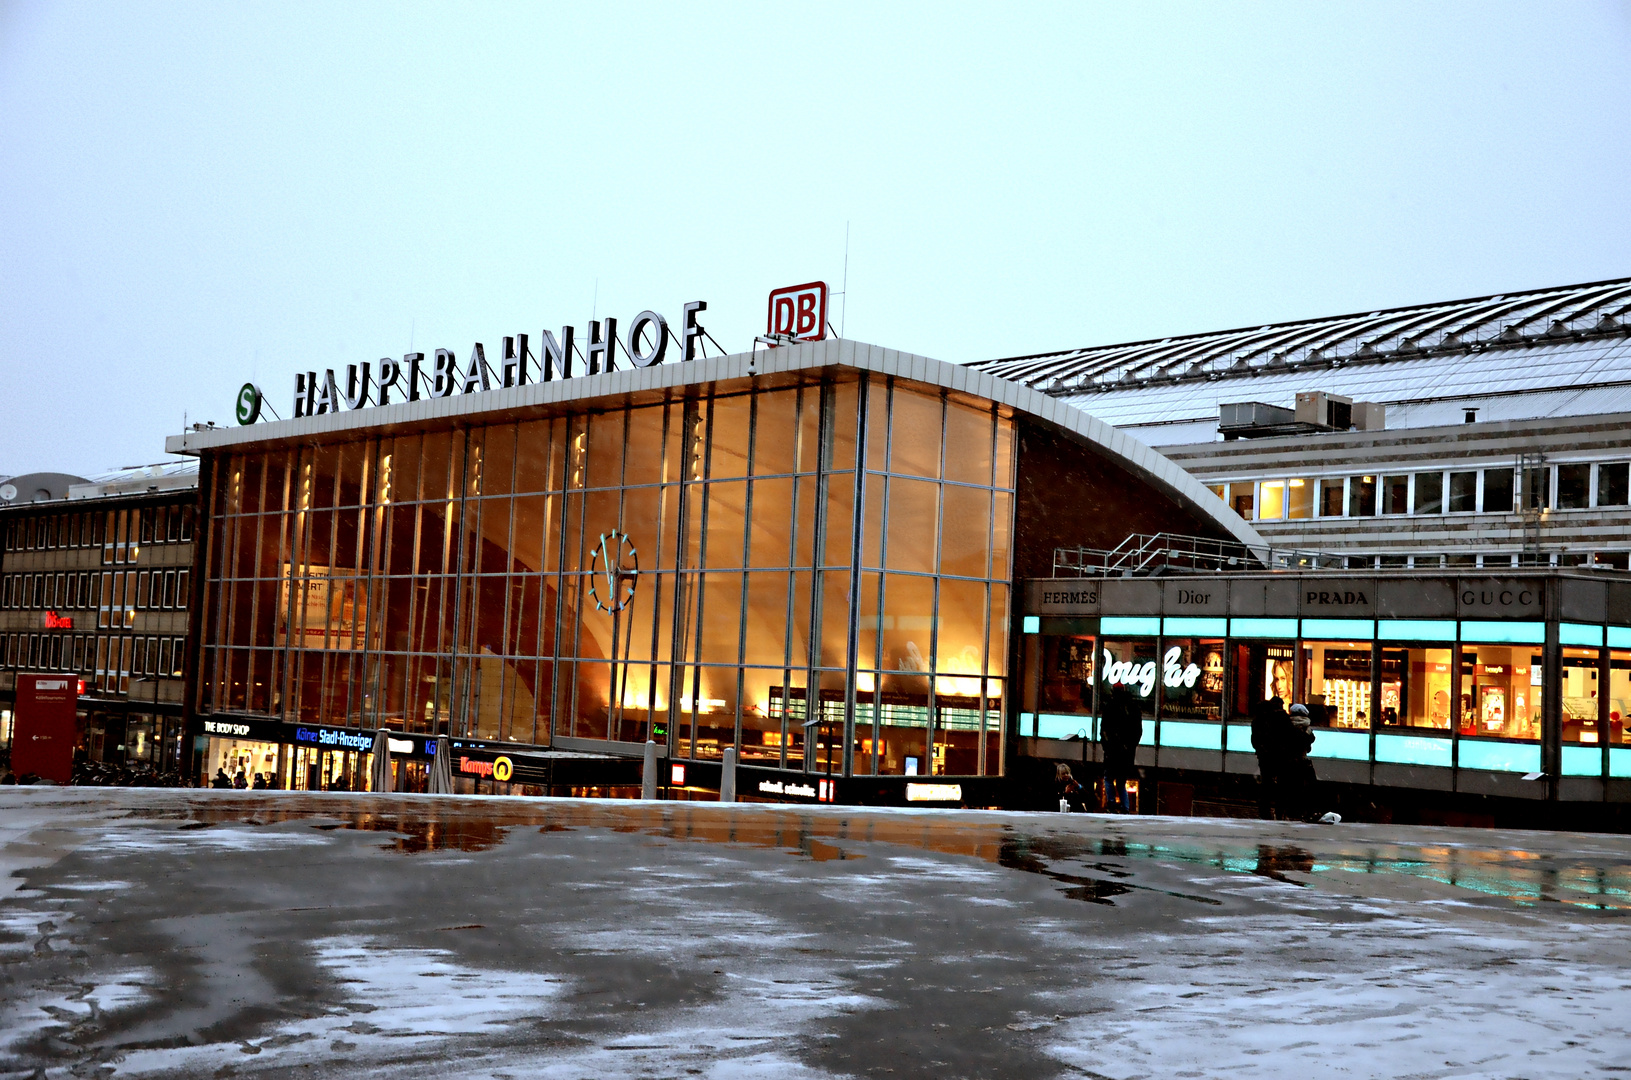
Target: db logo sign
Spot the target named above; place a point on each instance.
(799, 312)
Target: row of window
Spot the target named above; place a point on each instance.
(116, 531)
(1490, 491)
(124, 591)
(112, 660)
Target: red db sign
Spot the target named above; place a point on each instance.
(800, 311)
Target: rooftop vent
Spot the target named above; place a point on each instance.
(1316, 411)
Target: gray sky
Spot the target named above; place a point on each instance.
(194, 196)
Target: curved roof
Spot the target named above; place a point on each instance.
(37, 487)
(807, 356)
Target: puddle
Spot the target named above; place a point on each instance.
(416, 835)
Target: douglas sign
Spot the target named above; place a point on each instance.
(415, 377)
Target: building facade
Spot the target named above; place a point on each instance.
(1502, 437)
(95, 581)
(806, 554)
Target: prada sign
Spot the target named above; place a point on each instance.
(415, 377)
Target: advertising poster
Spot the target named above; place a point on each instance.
(43, 735)
(323, 615)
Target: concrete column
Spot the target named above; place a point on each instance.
(648, 775)
(727, 776)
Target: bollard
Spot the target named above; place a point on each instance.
(648, 775)
(727, 776)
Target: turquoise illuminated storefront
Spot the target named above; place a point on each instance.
(1513, 687)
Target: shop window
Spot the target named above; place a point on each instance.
(1417, 687)
(1573, 487)
(1067, 674)
(1501, 689)
(1429, 493)
(1299, 499)
(1336, 683)
(1537, 488)
(1272, 504)
(1361, 496)
(1498, 490)
(1613, 484)
(1260, 670)
(1134, 665)
(1331, 498)
(1580, 675)
(1191, 678)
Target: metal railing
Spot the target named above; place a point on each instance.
(1148, 554)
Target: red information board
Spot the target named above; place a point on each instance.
(43, 735)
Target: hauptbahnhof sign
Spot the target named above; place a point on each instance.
(441, 375)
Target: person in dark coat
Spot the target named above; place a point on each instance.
(1121, 728)
(1271, 727)
(221, 779)
(1297, 771)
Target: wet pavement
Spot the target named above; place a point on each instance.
(283, 934)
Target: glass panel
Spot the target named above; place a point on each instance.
(767, 619)
(643, 461)
(877, 427)
(907, 623)
(1501, 691)
(1242, 499)
(1336, 683)
(1260, 670)
(1361, 496)
(1331, 498)
(1498, 485)
(1613, 484)
(960, 638)
(914, 434)
(1537, 488)
(839, 535)
(1067, 673)
(1396, 495)
(913, 519)
(1429, 493)
(1580, 701)
(1417, 687)
(1192, 678)
(532, 456)
(726, 523)
(1619, 697)
(1134, 665)
(964, 534)
(729, 456)
(1463, 492)
(1272, 494)
(1299, 499)
(605, 450)
(968, 444)
(1573, 487)
(775, 446)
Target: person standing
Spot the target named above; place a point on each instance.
(1121, 728)
(1271, 725)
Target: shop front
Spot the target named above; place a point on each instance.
(1514, 687)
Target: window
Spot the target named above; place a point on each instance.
(1336, 683)
(142, 581)
(1331, 495)
(1500, 691)
(164, 656)
(1498, 491)
(1537, 488)
(1580, 699)
(1361, 496)
(181, 588)
(5, 590)
(1241, 500)
(1612, 485)
(1430, 493)
(1260, 670)
(1417, 685)
(1573, 487)
(28, 590)
(1396, 495)
(1463, 492)
(1299, 499)
(1273, 506)
(1192, 678)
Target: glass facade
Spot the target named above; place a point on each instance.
(815, 574)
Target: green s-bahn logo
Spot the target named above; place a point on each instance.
(249, 404)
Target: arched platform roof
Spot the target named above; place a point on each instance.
(660, 381)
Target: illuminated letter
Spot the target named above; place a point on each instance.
(415, 361)
(476, 377)
(690, 332)
(356, 389)
(328, 395)
(601, 346)
(389, 372)
(658, 349)
(442, 375)
(515, 360)
(556, 356)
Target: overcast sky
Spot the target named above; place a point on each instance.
(196, 196)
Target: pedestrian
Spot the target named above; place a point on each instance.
(239, 781)
(260, 782)
(1297, 771)
(221, 780)
(1271, 726)
(1071, 795)
(1121, 727)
